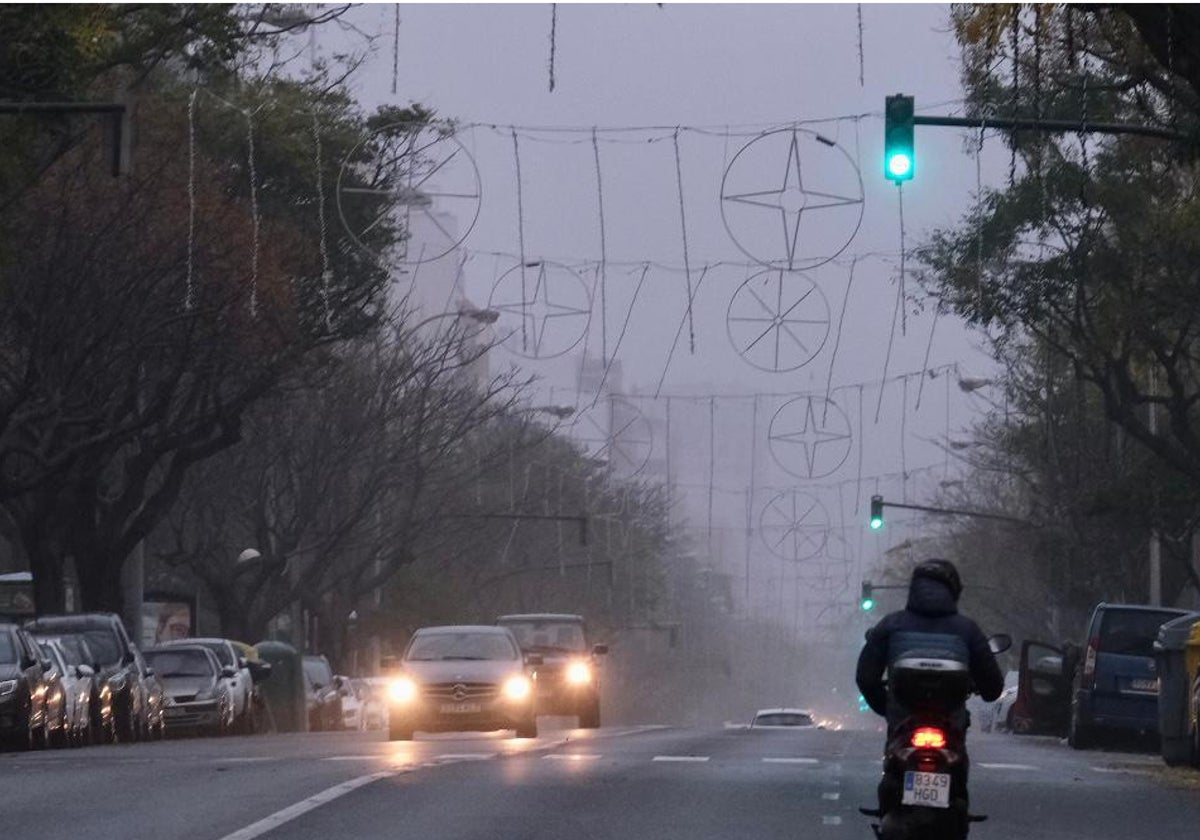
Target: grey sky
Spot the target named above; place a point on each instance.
(724, 74)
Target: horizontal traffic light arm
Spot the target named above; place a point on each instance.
(956, 512)
(1054, 126)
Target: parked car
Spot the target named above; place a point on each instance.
(568, 680)
(241, 684)
(783, 719)
(197, 693)
(154, 721)
(116, 666)
(462, 677)
(323, 694)
(75, 682)
(100, 706)
(26, 690)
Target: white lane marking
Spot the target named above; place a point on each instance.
(462, 756)
(831, 820)
(246, 759)
(832, 796)
(680, 758)
(996, 766)
(272, 822)
(792, 760)
(1129, 770)
(570, 756)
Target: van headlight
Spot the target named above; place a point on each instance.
(402, 690)
(518, 687)
(579, 673)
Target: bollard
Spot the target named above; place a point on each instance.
(284, 691)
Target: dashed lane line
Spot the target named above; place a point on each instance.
(681, 758)
(286, 815)
(832, 796)
(807, 761)
(571, 756)
(998, 766)
(831, 820)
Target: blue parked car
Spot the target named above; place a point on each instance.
(1116, 686)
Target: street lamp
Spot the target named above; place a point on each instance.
(562, 412)
(480, 316)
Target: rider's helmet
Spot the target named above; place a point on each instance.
(942, 571)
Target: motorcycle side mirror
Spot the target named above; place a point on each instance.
(999, 643)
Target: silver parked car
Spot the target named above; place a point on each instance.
(196, 688)
(76, 678)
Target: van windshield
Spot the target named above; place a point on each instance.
(1132, 632)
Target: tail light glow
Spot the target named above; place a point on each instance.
(929, 737)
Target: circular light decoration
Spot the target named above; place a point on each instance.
(416, 179)
(794, 525)
(616, 433)
(810, 437)
(792, 199)
(778, 320)
(545, 309)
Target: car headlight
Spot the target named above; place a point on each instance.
(7, 687)
(517, 687)
(402, 690)
(579, 673)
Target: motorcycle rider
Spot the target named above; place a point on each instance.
(929, 620)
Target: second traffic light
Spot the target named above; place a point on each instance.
(868, 596)
(876, 512)
(899, 155)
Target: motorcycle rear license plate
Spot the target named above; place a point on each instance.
(460, 708)
(929, 789)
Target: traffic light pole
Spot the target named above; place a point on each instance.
(1055, 126)
(955, 512)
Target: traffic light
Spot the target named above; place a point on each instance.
(862, 704)
(899, 157)
(876, 512)
(868, 599)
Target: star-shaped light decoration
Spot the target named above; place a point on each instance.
(543, 316)
(810, 437)
(794, 525)
(778, 321)
(792, 198)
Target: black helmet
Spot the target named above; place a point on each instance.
(943, 571)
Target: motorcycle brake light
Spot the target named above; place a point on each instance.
(929, 737)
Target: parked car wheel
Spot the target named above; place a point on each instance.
(1079, 736)
(589, 718)
(527, 729)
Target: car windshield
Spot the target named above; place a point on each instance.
(180, 663)
(221, 651)
(75, 650)
(103, 645)
(51, 653)
(8, 650)
(548, 635)
(783, 719)
(1131, 632)
(429, 647)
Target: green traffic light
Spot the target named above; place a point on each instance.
(868, 605)
(899, 151)
(876, 523)
(899, 166)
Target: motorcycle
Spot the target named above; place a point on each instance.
(925, 759)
